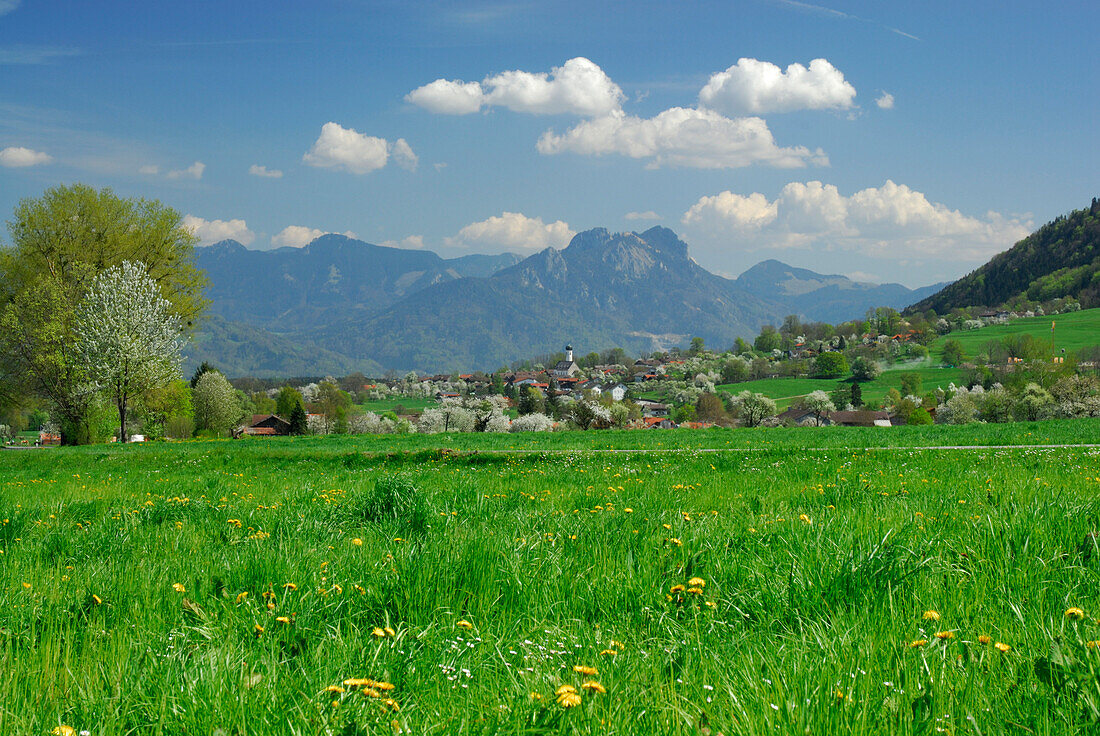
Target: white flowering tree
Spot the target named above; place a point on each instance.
(819, 403)
(216, 405)
(753, 408)
(127, 335)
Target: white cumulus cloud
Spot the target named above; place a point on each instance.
(297, 236)
(212, 231)
(513, 231)
(347, 149)
(755, 87)
(679, 136)
(885, 101)
(194, 171)
(263, 171)
(578, 87)
(891, 221)
(149, 170)
(17, 157)
(647, 215)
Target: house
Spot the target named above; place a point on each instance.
(860, 418)
(658, 423)
(800, 417)
(617, 391)
(265, 425)
(566, 368)
(652, 408)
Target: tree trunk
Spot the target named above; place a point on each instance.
(122, 419)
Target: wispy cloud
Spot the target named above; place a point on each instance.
(6, 6)
(26, 54)
(822, 10)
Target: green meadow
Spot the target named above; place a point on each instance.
(1072, 331)
(785, 581)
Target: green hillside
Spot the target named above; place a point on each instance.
(1073, 331)
(1060, 259)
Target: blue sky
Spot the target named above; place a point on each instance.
(925, 138)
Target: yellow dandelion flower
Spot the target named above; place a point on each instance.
(804, 519)
(242, 596)
(931, 616)
(391, 704)
(389, 631)
(271, 605)
(676, 589)
(1075, 613)
(258, 631)
(535, 696)
(1002, 647)
(358, 682)
(585, 669)
(593, 687)
(917, 643)
(290, 586)
(697, 583)
(357, 542)
(282, 619)
(384, 685)
(984, 639)
(628, 510)
(944, 635)
(64, 730)
(695, 591)
(1092, 644)
(608, 653)
(96, 599)
(334, 689)
(378, 633)
(675, 541)
(617, 644)
(370, 692)
(565, 689)
(178, 587)
(464, 624)
(667, 526)
(569, 700)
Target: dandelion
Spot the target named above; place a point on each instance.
(568, 698)
(290, 586)
(945, 635)
(282, 619)
(585, 669)
(565, 689)
(667, 526)
(1002, 647)
(712, 604)
(257, 631)
(383, 685)
(96, 599)
(357, 542)
(536, 696)
(917, 643)
(695, 591)
(358, 682)
(391, 704)
(241, 597)
(389, 631)
(370, 692)
(64, 730)
(931, 616)
(593, 687)
(984, 639)
(628, 510)
(676, 589)
(178, 587)
(804, 519)
(1092, 644)
(676, 542)
(378, 633)
(1075, 613)
(334, 689)
(697, 583)
(464, 624)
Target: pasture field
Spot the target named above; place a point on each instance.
(236, 587)
(408, 403)
(1073, 331)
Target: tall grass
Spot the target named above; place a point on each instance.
(123, 572)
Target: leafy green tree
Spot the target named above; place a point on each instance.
(697, 346)
(830, 365)
(203, 368)
(735, 371)
(953, 352)
(865, 369)
(911, 383)
(768, 339)
(553, 401)
(60, 242)
(684, 413)
(857, 395)
(709, 408)
(128, 338)
(842, 395)
(530, 400)
(285, 401)
(740, 347)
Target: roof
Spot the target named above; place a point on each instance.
(858, 418)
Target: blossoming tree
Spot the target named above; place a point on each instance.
(127, 335)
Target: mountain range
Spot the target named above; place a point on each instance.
(340, 304)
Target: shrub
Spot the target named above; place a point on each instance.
(532, 423)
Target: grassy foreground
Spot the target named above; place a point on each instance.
(224, 587)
